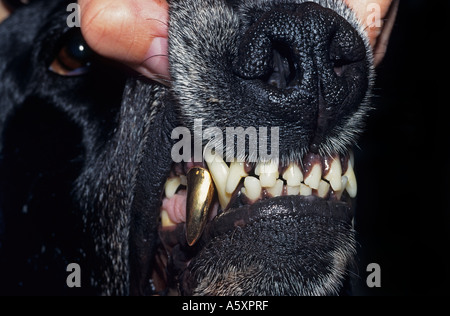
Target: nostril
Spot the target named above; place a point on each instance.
(284, 71)
(340, 66)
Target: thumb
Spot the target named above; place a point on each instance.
(133, 32)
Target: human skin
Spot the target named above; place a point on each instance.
(4, 12)
(133, 32)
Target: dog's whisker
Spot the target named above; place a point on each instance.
(372, 24)
(157, 55)
(160, 21)
(158, 77)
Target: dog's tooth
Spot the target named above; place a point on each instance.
(323, 189)
(237, 172)
(293, 175)
(352, 186)
(183, 180)
(293, 190)
(252, 188)
(165, 219)
(268, 173)
(333, 172)
(313, 178)
(305, 190)
(171, 186)
(219, 172)
(200, 193)
(277, 189)
(339, 193)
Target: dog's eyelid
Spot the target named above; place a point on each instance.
(59, 69)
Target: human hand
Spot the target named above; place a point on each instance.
(133, 32)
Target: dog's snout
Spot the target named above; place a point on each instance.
(306, 52)
(295, 40)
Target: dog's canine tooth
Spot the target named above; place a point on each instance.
(268, 173)
(277, 189)
(305, 190)
(171, 186)
(323, 189)
(252, 188)
(200, 193)
(293, 175)
(313, 178)
(333, 172)
(219, 172)
(351, 187)
(237, 172)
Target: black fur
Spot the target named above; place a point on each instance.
(83, 167)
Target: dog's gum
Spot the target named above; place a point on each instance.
(309, 161)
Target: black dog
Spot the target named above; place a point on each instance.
(88, 179)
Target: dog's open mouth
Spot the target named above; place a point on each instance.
(206, 202)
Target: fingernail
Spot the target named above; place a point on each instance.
(156, 61)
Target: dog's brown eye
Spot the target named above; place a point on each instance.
(74, 58)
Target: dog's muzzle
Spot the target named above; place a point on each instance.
(269, 228)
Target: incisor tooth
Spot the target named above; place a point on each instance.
(219, 172)
(237, 172)
(293, 190)
(268, 173)
(314, 176)
(305, 190)
(323, 189)
(293, 175)
(334, 174)
(277, 189)
(352, 186)
(200, 193)
(252, 188)
(171, 186)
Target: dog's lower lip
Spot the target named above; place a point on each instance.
(274, 209)
(296, 206)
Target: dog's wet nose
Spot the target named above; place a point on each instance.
(311, 58)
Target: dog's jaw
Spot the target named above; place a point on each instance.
(205, 41)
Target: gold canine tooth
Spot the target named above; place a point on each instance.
(200, 193)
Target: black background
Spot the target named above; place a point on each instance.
(402, 166)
